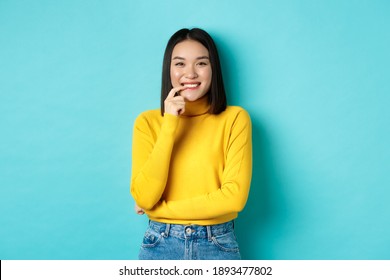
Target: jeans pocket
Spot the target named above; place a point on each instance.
(226, 242)
(151, 239)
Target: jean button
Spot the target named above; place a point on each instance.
(188, 230)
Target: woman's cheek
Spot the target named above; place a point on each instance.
(175, 78)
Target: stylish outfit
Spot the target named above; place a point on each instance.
(192, 169)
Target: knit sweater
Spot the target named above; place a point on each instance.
(194, 168)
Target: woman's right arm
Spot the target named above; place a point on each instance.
(151, 153)
(151, 157)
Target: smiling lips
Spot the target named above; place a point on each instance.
(190, 86)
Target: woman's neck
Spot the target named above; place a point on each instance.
(197, 107)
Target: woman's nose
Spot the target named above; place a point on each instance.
(191, 73)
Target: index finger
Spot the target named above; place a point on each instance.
(174, 90)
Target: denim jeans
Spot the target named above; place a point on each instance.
(189, 242)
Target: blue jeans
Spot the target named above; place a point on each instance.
(189, 242)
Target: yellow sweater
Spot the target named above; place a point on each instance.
(192, 169)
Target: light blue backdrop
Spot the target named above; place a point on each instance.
(314, 75)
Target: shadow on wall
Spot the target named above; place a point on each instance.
(252, 222)
(259, 212)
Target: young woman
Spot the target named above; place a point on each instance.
(192, 159)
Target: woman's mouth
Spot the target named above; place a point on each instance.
(191, 86)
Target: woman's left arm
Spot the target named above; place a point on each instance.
(234, 190)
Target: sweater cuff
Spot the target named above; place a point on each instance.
(169, 124)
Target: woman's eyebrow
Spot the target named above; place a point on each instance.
(198, 58)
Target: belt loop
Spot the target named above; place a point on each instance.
(209, 233)
(168, 226)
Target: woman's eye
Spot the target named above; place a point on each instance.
(179, 64)
(202, 63)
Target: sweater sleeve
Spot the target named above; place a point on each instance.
(151, 156)
(233, 192)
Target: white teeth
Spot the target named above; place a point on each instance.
(191, 85)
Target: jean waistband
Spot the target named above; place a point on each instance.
(191, 231)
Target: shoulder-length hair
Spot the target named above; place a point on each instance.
(216, 94)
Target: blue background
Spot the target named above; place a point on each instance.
(314, 75)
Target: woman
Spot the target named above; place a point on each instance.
(192, 159)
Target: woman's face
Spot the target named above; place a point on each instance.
(190, 67)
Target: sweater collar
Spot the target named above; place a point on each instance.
(197, 107)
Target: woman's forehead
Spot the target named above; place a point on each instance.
(190, 49)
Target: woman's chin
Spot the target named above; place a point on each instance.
(191, 97)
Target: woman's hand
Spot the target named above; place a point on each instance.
(139, 210)
(174, 105)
